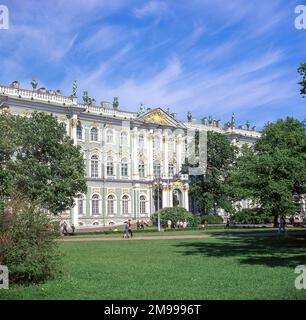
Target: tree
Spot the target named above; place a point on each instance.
(174, 214)
(39, 163)
(302, 71)
(210, 190)
(273, 172)
(27, 243)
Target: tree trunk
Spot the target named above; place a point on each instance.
(275, 223)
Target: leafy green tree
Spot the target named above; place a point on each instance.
(274, 171)
(210, 190)
(174, 214)
(302, 71)
(39, 162)
(27, 243)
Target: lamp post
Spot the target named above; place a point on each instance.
(157, 183)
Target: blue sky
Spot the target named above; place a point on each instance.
(211, 57)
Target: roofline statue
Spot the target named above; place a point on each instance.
(74, 88)
(189, 116)
(34, 84)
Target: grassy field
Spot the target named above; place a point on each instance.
(212, 268)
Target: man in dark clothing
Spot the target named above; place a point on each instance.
(130, 229)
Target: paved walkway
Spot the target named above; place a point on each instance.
(212, 235)
(73, 239)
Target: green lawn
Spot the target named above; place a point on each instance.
(212, 268)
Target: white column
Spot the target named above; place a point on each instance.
(166, 155)
(74, 123)
(185, 197)
(165, 196)
(179, 153)
(151, 209)
(170, 196)
(150, 154)
(135, 168)
(75, 214)
(136, 201)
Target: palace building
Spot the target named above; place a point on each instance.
(133, 159)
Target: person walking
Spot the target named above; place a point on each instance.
(130, 229)
(65, 228)
(227, 223)
(126, 230)
(282, 225)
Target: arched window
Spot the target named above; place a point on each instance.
(95, 205)
(142, 205)
(125, 204)
(110, 204)
(156, 169)
(109, 136)
(94, 164)
(141, 169)
(79, 132)
(124, 138)
(94, 134)
(80, 204)
(124, 167)
(110, 166)
(141, 140)
(171, 169)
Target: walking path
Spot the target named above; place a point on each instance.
(212, 235)
(73, 239)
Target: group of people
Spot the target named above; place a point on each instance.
(128, 232)
(65, 228)
(178, 224)
(141, 224)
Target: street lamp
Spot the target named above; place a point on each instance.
(157, 183)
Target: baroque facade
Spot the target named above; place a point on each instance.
(133, 159)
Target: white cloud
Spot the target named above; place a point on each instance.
(152, 8)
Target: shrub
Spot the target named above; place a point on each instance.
(173, 214)
(252, 216)
(27, 245)
(211, 219)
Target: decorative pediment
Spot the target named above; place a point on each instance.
(160, 117)
(95, 152)
(156, 117)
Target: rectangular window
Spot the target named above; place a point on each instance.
(124, 170)
(141, 171)
(94, 169)
(95, 207)
(80, 207)
(110, 207)
(110, 170)
(171, 170)
(125, 207)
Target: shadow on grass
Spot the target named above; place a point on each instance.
(252, 250)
